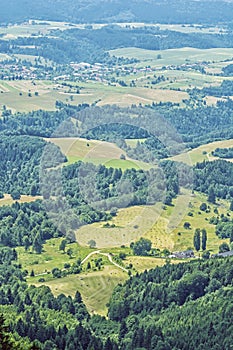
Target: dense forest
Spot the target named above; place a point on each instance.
(214, 178)
(223, 152)
(225, 89)
(20, 162)
(169, 11)
(170, 129)
(160, 293)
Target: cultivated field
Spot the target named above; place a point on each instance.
(15, 95)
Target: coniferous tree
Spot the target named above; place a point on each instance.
(5, 342)
(197, 239)
(211, 195)
(203, 239)
(231, 206)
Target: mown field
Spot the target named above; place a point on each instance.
(95, 287)
(164, 227)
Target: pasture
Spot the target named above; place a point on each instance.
(32, 28)
(142, 263)
(50, 258)
(183, 238)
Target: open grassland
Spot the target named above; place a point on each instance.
(7, 200)
(164, 227)
(95, 287)
(133, 142)
(82, 149)
(130, 224)
(183, 238)
(174, 56)
(50, 258)
(96, 152)
(203, 152)
(142, 263)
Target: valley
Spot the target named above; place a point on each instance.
(116, 176)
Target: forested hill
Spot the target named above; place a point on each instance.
(83, 11)
(184, 306)
(174, 307)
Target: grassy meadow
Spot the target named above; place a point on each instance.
(164, 227)
(96, 152)
(7, 200)
(203, 152)
(95, 287)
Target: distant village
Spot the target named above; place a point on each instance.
(17, 69)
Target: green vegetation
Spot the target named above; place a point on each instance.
(116, 175)
(223, 153)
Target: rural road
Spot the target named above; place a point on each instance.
(105, 254)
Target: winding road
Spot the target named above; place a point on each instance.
(108, 255)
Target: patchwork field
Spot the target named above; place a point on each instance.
(19, 96)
